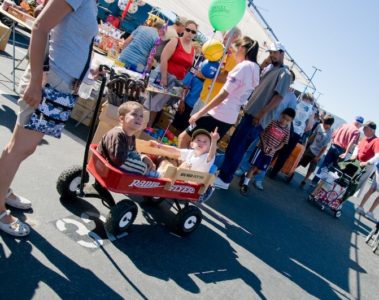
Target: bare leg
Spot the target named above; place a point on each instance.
(366, 197)
(309, 173)
(22, 144)
(252, 171)
(374, 205)
(184, 140)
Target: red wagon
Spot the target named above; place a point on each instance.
(181, 187)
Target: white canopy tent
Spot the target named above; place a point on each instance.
(252, 24)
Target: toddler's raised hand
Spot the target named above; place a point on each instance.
(214, 135)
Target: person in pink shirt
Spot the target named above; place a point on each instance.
(343, 139)
(222, 111)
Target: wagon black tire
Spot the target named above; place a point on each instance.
(153, 200)
(121, 216)
(69, 182)
(187, 220)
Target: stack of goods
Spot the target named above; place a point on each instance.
(165, 136)
(108, 40)
(24, 12)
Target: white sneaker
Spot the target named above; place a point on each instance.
(219, 183)
(259, 185)
(360, 210)
(370, 215)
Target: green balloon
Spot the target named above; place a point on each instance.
(224, 14)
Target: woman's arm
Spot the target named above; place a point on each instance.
(51, 15)
(221, 96)
(167, 52)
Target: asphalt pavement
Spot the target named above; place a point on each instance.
(271, 245)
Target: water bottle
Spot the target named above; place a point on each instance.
(86, 88)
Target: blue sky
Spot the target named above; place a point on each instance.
(339, 37)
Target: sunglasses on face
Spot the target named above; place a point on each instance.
(190, 30)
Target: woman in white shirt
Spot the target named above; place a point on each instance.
(222, 111)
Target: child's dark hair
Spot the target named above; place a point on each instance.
(328, 120)
(289, 112)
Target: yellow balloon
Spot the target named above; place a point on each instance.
(213, 50)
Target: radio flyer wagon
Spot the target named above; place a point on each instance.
(183, 188)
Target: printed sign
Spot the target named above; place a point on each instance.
(87, 230)
(146, 184)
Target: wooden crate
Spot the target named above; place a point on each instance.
(5, 33)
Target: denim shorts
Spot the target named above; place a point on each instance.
(375, 182)
(53, 78)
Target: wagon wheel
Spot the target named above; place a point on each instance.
(187, 220)
(121, 216)
(69, 181)
(153, 200)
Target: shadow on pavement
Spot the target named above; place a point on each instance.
(22, 273)
(292, 236)
(7, 117)
(182, 260)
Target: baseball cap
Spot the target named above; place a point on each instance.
(370, 124)
(200, 131)
(359, 119)
(276, 46)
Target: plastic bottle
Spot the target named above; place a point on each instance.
(86, 88)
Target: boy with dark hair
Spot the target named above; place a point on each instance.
(118, 145)
(273, 138)
(318, 143)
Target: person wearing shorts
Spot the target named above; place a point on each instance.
(318, 143)
(69, 26)
(272, 139)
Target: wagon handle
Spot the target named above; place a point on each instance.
(92, 127)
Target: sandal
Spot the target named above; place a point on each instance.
(16, 228)
(19, 202)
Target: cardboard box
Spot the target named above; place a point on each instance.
(88, 103)
(165, 120)
(82, 114)
(5, 33)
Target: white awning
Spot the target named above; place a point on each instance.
(251, 25)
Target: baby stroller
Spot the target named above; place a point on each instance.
(373, 238)
(335, 186)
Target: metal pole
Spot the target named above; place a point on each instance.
(14, 54)
(310, 80)
(231, 33)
